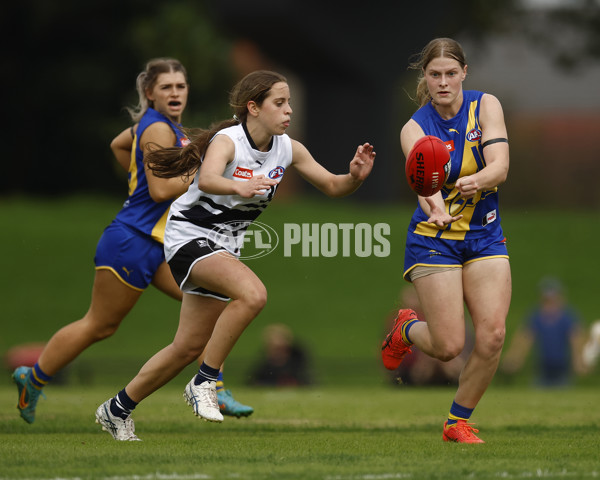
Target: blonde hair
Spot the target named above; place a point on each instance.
(147, 79)
(436, 48)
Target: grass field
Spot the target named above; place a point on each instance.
(351, 426)
(336, 306)
(341, 433)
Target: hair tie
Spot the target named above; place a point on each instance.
(235, 117)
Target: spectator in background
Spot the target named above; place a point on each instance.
(284, 362)
(554, 328)
(418, 368)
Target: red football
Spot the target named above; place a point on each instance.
(427, 166)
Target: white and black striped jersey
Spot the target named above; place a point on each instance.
(223, 219)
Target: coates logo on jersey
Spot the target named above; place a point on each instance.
(276, 173)
(450, 145)
(474, 135)
(244, 173)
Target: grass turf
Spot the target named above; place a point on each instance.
(341, 433)
(350, 426)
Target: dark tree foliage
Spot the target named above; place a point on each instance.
(70, 68)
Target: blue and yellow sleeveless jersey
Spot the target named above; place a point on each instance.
(462, 135)
(139, 211)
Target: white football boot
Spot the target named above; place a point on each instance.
(122, 430)
(203, 398)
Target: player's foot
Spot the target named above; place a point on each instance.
(28, 394)
(122, 430)
(203, 398)
(230, 406)
(461, 432)
(394, 348)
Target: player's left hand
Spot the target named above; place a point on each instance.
(362, 163)
(438, 215)
(467, 186)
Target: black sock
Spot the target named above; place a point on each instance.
(121, 405)
(206, 373)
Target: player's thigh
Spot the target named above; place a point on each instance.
(227, 275)
(112, 299)
(164, 281)
(441, 299)
(488, 287)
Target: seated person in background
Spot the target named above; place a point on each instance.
(554, 328)
(284, 362)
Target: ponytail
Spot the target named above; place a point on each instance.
(184, 161)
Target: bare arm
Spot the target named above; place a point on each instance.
(162, 189)
(219, 153)
(433, 206)
(491, 119)
(121, 146)
(327, 182)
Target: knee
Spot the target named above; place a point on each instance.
(101, 332)
(255, 298)
(189, 354)
(491, 341)
(448, 349)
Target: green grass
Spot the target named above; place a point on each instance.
(342, 433)
(336, 306)
(351, 426)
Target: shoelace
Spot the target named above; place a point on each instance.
(130, 429)
(465, 429)
(209, 396)
(398, 348)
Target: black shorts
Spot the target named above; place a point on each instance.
(186, 257)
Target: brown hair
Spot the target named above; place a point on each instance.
(436, 48)
(147, 79)
(175, 161)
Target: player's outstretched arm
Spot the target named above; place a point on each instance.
(327, 182)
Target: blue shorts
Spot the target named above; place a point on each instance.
(132, 256)
(422, 251)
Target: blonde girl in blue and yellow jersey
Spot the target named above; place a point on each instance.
(455, 249)
(130, 253)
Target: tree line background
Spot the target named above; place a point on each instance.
(69, 70)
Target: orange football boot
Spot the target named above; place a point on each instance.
(394, 348)
(461, 432)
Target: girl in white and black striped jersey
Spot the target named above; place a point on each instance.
(237, 166)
